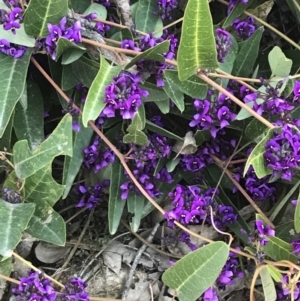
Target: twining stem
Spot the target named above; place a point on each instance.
(236, 100)
(253, 282)
(242, 190)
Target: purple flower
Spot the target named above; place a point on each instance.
(210, 295)
(244, 28)
(165, 7)
(13, 50)
(91, 196)
(223, 44)
(124, 95)
(34, 287)
(75, 290)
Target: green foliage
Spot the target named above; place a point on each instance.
(196, 272)
(197, 48)
(97, 8)
(12, 76)
(135, 205)
(280, 65)
(41, 12)
(70, 51)
(145, 19)
(246, 57)
(14, 220)
(20, 38)
(154, 53)
(297, 214)
(256, 158)
(29, 123)
(115, 203)
(95, 99)
(58, 143)
(268, 285)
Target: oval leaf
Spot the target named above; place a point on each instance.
(40, 13)
(297, 215)
(268, 285)
(279, 64)
(135, 205)
(97, 8)
(197, 271)
(197, 48)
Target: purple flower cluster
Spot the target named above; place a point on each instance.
(296, 92)
(244, 28)
(213, 113)
(147, 68)
(282, 153)
(10, 49)
(75, 291)
(11, 196)
(269, 101)
(284, 289)
(143, 161)
(263, 232)
(99, 26)
(72, 34)
(192, 206)
(124, 95)
(209, 295)
(11, 19)
(165, 7)
(91, 196)
(258, 189)
(35, 287)
(97, 156)
(223, 44)
(230, 272)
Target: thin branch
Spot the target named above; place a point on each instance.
(242, 190)
(236, 100)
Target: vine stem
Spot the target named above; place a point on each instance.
(242, 190)
(256, 273)
(268, 26)
(236, 100)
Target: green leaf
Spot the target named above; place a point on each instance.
(97, 8)
(268, 285)
(115, 203)
(85, 71)
(163, 105)
(5, 140)
(138, 121)
(295, 8)
(202, 136)
(155, 93)
(245, 59)
(255, 129)
(79, 5)
(256, 158)
(6, 267)
(159, 130)
(278, 250)
(68, 79)
(58, 143)
(237, 11)
(243, 114)
(19, 38)
(72, 164)
(280, 65)
(14, 219)
(13, 74)
(137, 137)
(94, 103)
(29, 123)
(64, 44)
(297, 214)
(171, 164)
(145, 19)
(71, 55)
(197, 271)
(174, 93)
(274, 272)
(123, 34)
(154, 53)
(193, 86)
(197, 47)
(41, 12)
(24, 98)
(135, 205)
(283, 203)
(285, 231)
